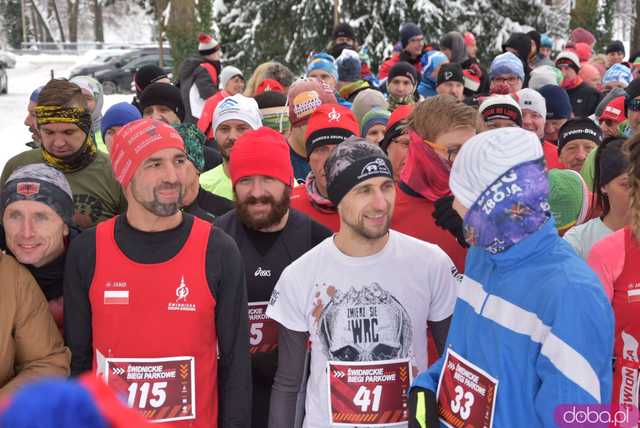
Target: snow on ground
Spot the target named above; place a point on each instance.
(30, 72)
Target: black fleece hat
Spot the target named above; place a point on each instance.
(581, 128)
(146, 75)
(163, 94)
(521, 42)
(450, 72)
(408, 31)
(616, 46)
(343, 30)
(403, 68)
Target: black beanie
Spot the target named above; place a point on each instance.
(616, 46)
(343, 30)
(268, 99)
(611, 160)
(146, 75)
(581, 128)
(352, 162)
(632, 91)
(521, 43)
(408, 31)
(450, 72)
(403, 68)
(163, 94)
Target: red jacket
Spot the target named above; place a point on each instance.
(551, 156)
(383, 72)
(301, 202)
(206, 117)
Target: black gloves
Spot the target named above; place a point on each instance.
(447, 218)
(423, 409)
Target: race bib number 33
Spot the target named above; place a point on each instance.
(163, 389)
(369, 393)
(466, 394)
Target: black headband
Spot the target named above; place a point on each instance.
(359, 171)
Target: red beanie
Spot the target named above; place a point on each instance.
(583, 51)
(261, 152)
(330, 124)
(138, 140)
(400, 113)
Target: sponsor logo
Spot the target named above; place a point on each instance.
(375, 167)
(274, 297)
(306, 103)
(116, 297)
(182, 291)
(262, 272)
(28, 188)
(448, 75)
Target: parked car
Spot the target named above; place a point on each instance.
(119, 80)
(4, 80)
(112, 62)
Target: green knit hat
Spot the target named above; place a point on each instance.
(568, 197)
(194, 141)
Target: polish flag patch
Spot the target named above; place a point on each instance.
(633, 296)
(116, 297)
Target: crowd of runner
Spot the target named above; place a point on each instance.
(438, 244)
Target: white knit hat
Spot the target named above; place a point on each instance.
(542, 76)
(228, 73)
(532, 100)
(237, 107)
(207, 44)
(568, 56)
(487, 156)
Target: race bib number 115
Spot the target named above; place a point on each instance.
(163, 389)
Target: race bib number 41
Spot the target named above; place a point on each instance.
(466, 394)
(369, 393)
(163, 389)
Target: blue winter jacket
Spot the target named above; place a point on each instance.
(534, 317)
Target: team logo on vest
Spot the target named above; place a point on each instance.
(181, 299)
(262, 272)
(375, 167)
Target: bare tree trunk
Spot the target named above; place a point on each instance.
(44, 27)
(160, 6)
(98, 24)
(35, 23)
(54, 6)
(635, 34)
(72, 20)
(181, 31)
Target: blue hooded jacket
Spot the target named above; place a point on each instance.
(536, 318)
(431, 61)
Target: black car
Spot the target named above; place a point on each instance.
(119, 80)
(113, 62)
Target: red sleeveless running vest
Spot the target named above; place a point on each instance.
(626, 306)
(161, 310)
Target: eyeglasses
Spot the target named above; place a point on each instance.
(448, 152)
(511, 80)
(634, 104)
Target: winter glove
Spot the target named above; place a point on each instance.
(423, 409)
(447, 218)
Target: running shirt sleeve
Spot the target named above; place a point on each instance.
(78, 274)
(288, 301)
(444, 291)
(289, 377)
(606, 258)
(234, 368)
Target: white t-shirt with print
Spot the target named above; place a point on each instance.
(406, 284)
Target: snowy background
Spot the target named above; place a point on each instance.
(30, 72)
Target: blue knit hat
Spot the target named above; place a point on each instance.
(35, 94)
(375, 116)
(557, 101)
(546, 41)
(118, 115)
(506, 63)
(618, 73)
(323, 61)
(349, 66)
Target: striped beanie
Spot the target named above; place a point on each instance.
(487, 156)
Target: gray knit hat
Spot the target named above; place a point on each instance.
(41, 183)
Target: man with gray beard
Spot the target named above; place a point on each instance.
(160, 292)
(270, 236)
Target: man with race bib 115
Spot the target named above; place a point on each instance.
(532, 330)
(155, 299)
(364, 299)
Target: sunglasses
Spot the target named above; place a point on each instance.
(634, 105)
